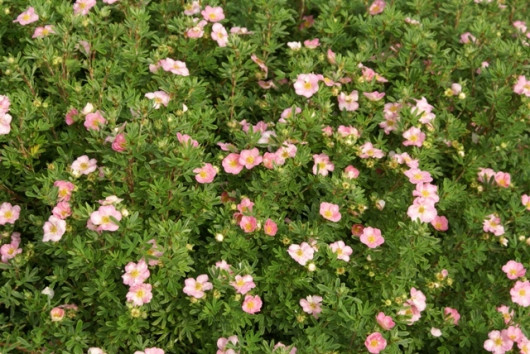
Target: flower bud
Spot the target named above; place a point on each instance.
(311, 267)
(219, 237)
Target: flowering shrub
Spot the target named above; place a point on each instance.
(318, 176)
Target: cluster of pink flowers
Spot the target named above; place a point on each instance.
(500, 342)
(391, 114)
(5, 117)
(226, 345)
(135, 275)
(10, 250)
(55, 227)
(176, 67)
(234, 163)
(210, 14)
(502, 179)
(492, 224)
(414, 306)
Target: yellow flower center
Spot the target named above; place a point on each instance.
(26, 17)
(371, 239)
(84, 165)
(202, 174)
(8, 214)
(53, 229)
(140, 293)
(105, 220)
(135, 273)
(300, 253)
(307, 85)
(198, 286)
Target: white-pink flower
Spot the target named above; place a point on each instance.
(312, 305)
(492, 224)
(159, 98)
(322, 165)
(197, 287)
(82, 7)
(176, 67)
(54, 229)
(219, 34)
(252, 304)
(414, 136)
(367, 150)
(521, 293)
(342, 251)
(27, 17)
(44, 31)
(371, 237)
(423, 210)
(140, 294)
(135, 273)
(301, 253)
(83, 165)
(514, 270)
(306, 84)
(330, 211)
(213, 14)
(192, 9)
(94, 120)
(386, 322)
(9, 213)
(418, 176)
(5, 123)
(522, 86)
(102, 218)
(231, 164)
(374, 96)
(497, 344)
(243, 284)
(348, 102)
(222, 343)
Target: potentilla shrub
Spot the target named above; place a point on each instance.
(267, 176)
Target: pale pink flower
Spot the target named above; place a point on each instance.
(292, 349)
(524, 345)
(27, 17)
(375, 342)
(231, 164)
(95, 350)
(348, 131)
(415, 22)
(10, 250)
(456, 89)
(520, 26)
(245, 206)
(367, 150)
(4, 104)
(424, 110)
(185, 139)
(82, 7)
(374, 96)
(306, 84)
(322, 165)
(65, 190)
(417, 298)
(423, 210)
(436, 332)
(223, 266)
(467, 37)
(330, 211)
(312, 43)
(414, 136)
(192, 9)
(94, 120)
(9, 213)
(140, 294)
(62, 210)
(248, 224)
(197, 287)
(351, 172)
(176, 67)
(427, 191)
(503, 179)
(240, 30)
(348, 102)
(506, 313)
(525, 200)
(418, 176)
(376, 8)
(222, 343)
(159, 98)
(5, 123)
(288, 113)
(153, 350)
(492, 224)
(54, 229)
(342, 251)
(213, 14)
(69, 118)
(44, 31)
(371, 237)
(312, 305)
(205, 174)
(110, 2)
(196, 31)
(284, 152)
(522, 86)
(243, 284)
(386, 322)
(389, 125)
(411, 312)
(452, 315)
(119, 143)
(497, 344)
(57, 314)
(260, 63)
(391, 110)
(512, 333)
(102, 218)
(485, 174)
(301, 253)
(514, 270)
(270, 228)
(110, 200)
(440, 223)
(252, 304)
(219, 34)
(331, 57)
(135, 273)
(269, 160)
(250, 158)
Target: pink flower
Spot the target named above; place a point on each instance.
(467, 37)
(196, 288)
(374, 96)
(5, 123)
(248, 224)
(375, 342)
(424, 110)
(330, 211)
(497, 344)
(65, 190)
(520, 26)
(219, 34)
(348, 102)
(351, 172)
(83, 6)
(417, 298)
(292, 349)
(414, 136)
(357, 230)
(102, 218)
(223, 266)
(525, 200)
(306, 84)
(440, 223)
(312, 44)
(386, 322)
(154, 350)
(176, 67)
(342, 251)
(54, 229)
(270, 228)
(245, 206)
(250, 158)
(185, 139)
(119, 143)
(512, 333)
(243, 284)
(514, 270)
(312, 305)
(94, 120)
(110, 2)
(135, 273)
(331, 57)
(423, 210)
(371, 237)
(140, 294)
(522, 87)
(389, 125)
(192, 9)
(4, 104)
(369, 151)
(452, 315)
(322, 165)
(223, 342)
(231, 164)
(456, 89)
(205, 174)
(376, 8)
(41, 32)
(196, 31)
(301, 253)
(159, 97)
(288, 113)
(252, 304)
(485, 174)
(62, 210)
(492, 224)
(427, 191)
(27, 17)
(506, 313)
(10, 250)
(154, 251)
(418, 176)
(213, 14)
(69, 118)
(57, 314)
(503, 179)
(391, 110)
(348, 131)
(9, 213)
